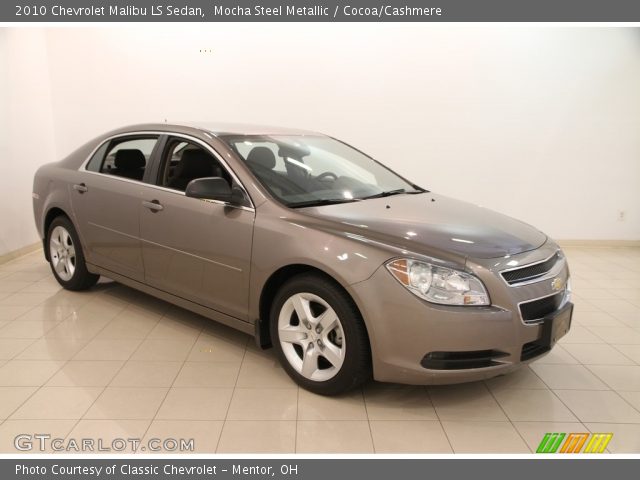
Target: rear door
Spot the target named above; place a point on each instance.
(196, 249)
(107, 203)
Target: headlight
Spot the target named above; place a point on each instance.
(437, 284)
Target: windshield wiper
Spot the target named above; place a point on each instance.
(388, 193)
(321, 202)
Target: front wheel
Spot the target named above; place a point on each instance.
(319, 335)
(66, 258)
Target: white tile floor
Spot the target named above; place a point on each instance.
(113, 362)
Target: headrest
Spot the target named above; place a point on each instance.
(195, 164)
(262, 156)
(129, 159)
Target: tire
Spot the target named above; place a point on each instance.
(312, 318)
(66, 257)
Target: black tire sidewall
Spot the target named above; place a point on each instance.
(356, 368)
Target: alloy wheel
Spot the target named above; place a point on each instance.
(311, 336)
(62, 253)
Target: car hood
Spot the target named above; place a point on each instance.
(426, 221)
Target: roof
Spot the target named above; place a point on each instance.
(248, 129)
(220, 128)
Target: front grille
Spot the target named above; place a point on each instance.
(538, 309)
(531, 272)
(462, 360)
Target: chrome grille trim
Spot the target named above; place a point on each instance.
(553, 270)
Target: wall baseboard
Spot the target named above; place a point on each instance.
(599, 243)
(7, 257)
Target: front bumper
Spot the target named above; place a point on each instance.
(420, 343)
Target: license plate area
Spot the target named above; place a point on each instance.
(556, 326)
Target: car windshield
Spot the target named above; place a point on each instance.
(308, 170)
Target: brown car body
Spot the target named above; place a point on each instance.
(227, 261)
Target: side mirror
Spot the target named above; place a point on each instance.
(209, 188)
(238, 197)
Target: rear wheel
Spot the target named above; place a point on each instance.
(66, 257)
(319, 335)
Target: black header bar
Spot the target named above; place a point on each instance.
(320, 11)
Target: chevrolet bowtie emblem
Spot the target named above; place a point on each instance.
(557, 284)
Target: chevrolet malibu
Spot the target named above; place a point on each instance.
(347, 269)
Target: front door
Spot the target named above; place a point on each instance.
(196, 249)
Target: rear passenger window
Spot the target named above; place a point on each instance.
(128, 157)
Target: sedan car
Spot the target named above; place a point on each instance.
(347, 269)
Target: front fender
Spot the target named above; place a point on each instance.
(280, 241)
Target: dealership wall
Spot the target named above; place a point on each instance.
(26, 131)
(540, 123)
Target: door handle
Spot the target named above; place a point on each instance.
(80, 188)
(153, 205)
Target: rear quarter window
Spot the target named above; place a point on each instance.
(96, 159)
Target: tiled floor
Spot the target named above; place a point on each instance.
(115, 363)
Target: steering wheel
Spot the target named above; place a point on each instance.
(324, 175)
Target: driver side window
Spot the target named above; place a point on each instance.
(183, 161)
